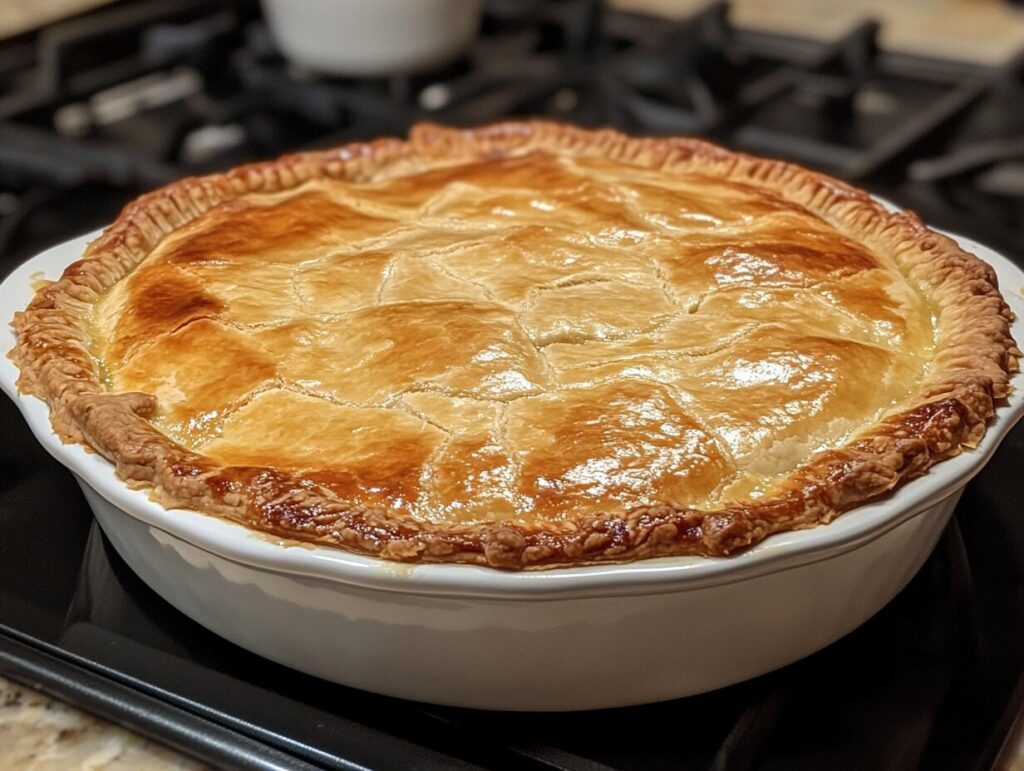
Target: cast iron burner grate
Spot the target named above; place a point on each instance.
(979, 175)
(135, 95)
(853, 110)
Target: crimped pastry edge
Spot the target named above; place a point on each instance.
(974, 357)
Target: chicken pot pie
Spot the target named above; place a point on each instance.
(525, 345)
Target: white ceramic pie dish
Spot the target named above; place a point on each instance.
(575, 638)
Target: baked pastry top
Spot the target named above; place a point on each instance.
(524, 345)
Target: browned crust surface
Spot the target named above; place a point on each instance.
(975, 355)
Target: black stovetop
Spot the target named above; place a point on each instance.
(933, 681)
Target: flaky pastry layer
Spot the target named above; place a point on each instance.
(525, 345)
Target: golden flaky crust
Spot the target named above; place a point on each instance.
(974, 355)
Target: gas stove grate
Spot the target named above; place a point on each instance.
(135, 95)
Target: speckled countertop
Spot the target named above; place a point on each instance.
(39, 734)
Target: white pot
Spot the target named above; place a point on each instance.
(372, 37)
(574, 638)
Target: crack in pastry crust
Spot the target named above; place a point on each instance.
(572, 408)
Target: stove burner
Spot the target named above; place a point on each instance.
(979, 177)
(853, 110)
(699, 78)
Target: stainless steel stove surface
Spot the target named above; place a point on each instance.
(97, 109)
